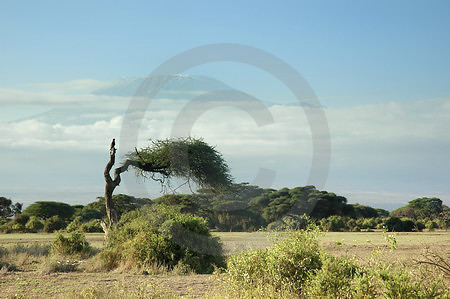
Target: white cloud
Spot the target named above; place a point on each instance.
(232, 129)
(86, 85)
(373, 145)
(51, 98)
(32, 134)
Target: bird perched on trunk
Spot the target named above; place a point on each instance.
(113, 143)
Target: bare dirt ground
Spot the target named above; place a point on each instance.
(34, 284)
(71, 285)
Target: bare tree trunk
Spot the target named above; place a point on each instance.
(110, 185)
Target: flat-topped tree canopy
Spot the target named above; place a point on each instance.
(190, 159)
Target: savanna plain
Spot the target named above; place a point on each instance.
(33, 277)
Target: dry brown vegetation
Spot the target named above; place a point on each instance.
(31, 279)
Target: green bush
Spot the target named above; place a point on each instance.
(77, 224)
(365, 284)
(159, 235)
(419, 225)
(284, 266)
(92, 226)
(291, 222)
(54, 223)
(34, 225)
(398, 282)
(296, 268)
(22, 219)
(431, 225)
(16, 225)
(74, 244)
(408, 225)
(444, 223)
(275, 226)
(334, 224)
(395, 224)
(74, 225)
(369, 223)
(6, 228)
(333, 280)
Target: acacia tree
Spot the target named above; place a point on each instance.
(8, 209)
(189, 159)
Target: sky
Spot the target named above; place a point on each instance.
(380, 70)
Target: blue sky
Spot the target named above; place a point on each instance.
(364, 59)
(352, 50)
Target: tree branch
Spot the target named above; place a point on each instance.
(144, 167)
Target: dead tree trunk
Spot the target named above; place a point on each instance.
(110, 185)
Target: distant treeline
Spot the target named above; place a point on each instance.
(244, 208)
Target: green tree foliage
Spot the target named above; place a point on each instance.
(395, 224)
(88, 214)
(185, 203)
(360, 211)
(16, 225)
(431, 225)
(244, 207)
(382, 212)
(74, 225)
(21, 219)
(298, 201)
(122, 204)
(48, 209)
(8, 209)
(232, 210)
(425, 207)
(91, 226)
(334, 224)
(34, 224)
(186, 158)
(226, 211)
(54, 223)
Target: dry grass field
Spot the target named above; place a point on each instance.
(29, 282)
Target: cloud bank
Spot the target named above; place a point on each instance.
(388, 147)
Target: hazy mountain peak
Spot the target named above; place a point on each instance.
(176, 86)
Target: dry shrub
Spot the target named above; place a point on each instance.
(56, 265)
(22, 256)
(34, 249)
(435, 260)
(7, 267)
(124, 291)
(74, 244)
(296, 268)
